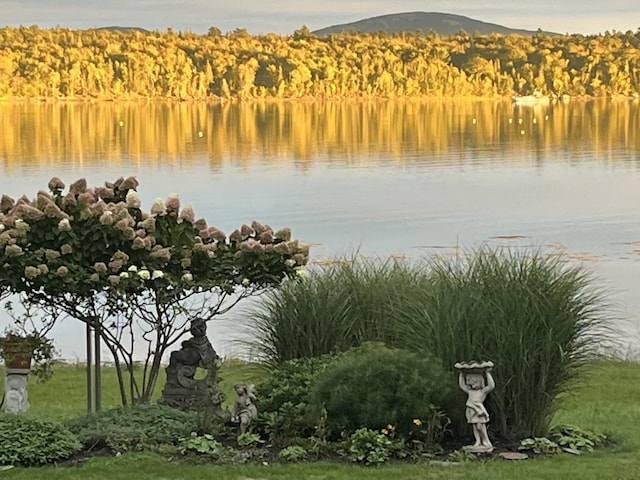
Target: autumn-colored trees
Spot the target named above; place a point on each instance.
(62, 63)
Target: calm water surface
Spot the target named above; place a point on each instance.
(389, 178)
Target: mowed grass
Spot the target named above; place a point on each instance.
(608, 400)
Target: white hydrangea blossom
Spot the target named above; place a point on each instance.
(64, 225)
(132, 200)
(157, 274)
(144, 274)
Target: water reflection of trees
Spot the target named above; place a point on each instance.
(363, 132)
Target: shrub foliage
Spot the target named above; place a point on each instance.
(25, 440)
(374, 387)
(133, 428)
(284, 411)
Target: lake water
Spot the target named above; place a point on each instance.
(388, 178)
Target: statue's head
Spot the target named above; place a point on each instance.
(475, 381)
(198, 327)
(13, 383)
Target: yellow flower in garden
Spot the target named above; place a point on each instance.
(385, 431)
(417, 421)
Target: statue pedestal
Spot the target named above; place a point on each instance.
(478, 448)
(16, 390)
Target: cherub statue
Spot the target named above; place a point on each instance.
(244, 410)
(476, 380)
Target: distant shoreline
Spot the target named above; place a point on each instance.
(353, 99)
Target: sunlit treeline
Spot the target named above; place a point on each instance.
(107, 64)
(180, 133)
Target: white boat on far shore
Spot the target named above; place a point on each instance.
(531, 99)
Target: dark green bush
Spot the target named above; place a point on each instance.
(134, 428)
(25, 440)
(377, 388)
(283, 408)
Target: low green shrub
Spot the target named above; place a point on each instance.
(133, 428)
(205, 444)
(205, 448)
(425, 434)
(26, 441)
(293, 453)
(283, 409)
(368, 447)
(575, 438)
(562, 437)
(376, 387)
(248, 439)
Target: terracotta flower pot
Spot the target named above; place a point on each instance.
(17, 352)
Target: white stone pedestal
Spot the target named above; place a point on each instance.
(478, 448)
(16, 390)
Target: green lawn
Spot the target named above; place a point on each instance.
(609, 401)
(65, 395)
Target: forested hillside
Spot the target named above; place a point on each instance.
(112, 64)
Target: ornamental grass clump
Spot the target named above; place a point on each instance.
(332, 309)
(536, 316)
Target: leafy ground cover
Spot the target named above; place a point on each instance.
(606, 401)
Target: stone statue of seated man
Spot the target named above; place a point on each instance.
(196, 352)
(181, 390)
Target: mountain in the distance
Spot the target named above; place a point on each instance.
(440, 23)
(116, 28)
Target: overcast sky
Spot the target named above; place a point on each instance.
(285, 16)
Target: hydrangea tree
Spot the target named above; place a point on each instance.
(95, 255)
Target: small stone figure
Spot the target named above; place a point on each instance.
(244, 410)
(476, 380)
(182, 390)
(16, 395)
